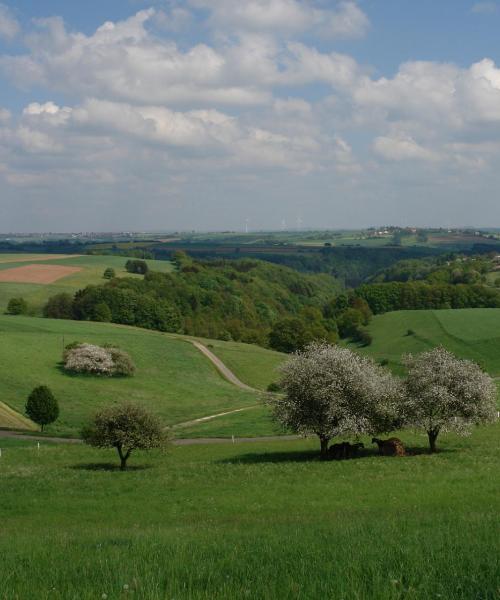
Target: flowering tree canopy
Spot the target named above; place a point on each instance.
(330, 390)
(445, 393)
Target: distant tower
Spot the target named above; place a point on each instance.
(299, 222)
(283, 224)
(246, 225)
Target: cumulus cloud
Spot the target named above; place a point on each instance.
(343, 20)
(9, 27)
(255, 99)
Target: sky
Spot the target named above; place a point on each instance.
(133, 115)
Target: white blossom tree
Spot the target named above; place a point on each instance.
(445, 393)
(331, 391)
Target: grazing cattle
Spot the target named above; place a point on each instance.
(344, 450)
(390, 447)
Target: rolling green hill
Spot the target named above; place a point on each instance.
(92, 270)
(173, 378)
(469, 333)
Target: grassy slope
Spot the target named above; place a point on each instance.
(469, 333)
(265, 521)
(173, 378)
(92, 269)
(253, 365)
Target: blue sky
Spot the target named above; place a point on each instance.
(204, 113)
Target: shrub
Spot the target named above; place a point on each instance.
(41, 406)
(362, 337)
(59, 306)
(137, 266)
(97, 360)
(123, 364)
(274, 387)
(91, 359)
(102, 313)
(109, 273)
(17, 306)
(410, 332)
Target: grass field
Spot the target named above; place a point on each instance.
(92, 268)
(469, 333)
(265, 521)
(173, 378)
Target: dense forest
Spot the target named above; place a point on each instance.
(239, 300)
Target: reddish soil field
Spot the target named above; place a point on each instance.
(37, 273)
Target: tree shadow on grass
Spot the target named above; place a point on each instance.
(108, 467)
(314, 456)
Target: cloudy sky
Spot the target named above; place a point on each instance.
(201, 114)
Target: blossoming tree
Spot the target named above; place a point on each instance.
(331, 391)
(445, 393)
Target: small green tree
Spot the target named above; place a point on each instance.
(126, 427)
(109, 273)
(102, 313)
(59, 306)
(41, 406)
(137, 266)
(289, 334)
(17, 306)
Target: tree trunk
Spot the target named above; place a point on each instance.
(123, 458)
(324, 447)
(432, 434)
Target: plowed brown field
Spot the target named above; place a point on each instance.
(37, 273)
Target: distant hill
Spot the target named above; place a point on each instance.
(469, 333)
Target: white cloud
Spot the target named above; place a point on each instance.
(403, 149)
(9, 27)
(485, 8)
(343, 20)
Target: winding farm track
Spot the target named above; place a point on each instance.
(221, 367)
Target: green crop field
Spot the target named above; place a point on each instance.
(173, 378)
(469, 333)
(267, 521)
(36, 295)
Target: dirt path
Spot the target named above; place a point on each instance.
(210, 417)
(221, 367)
(176, 442)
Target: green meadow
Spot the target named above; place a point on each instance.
(267, 521)
(469, 333)
(173, 378)
(36, 295)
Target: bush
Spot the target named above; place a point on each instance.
(362, 337)
(94, 360)
(102, 313)
(410, 332)
(17, 306)
(41, 406)
(274, 387)
(123, 364)
(59, 306)
(137, 266)
(109, 273)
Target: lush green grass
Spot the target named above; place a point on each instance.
(253, 422)
(92, 270)
(173, 378)
(469, 333)
(255, 366)
(267, 521)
